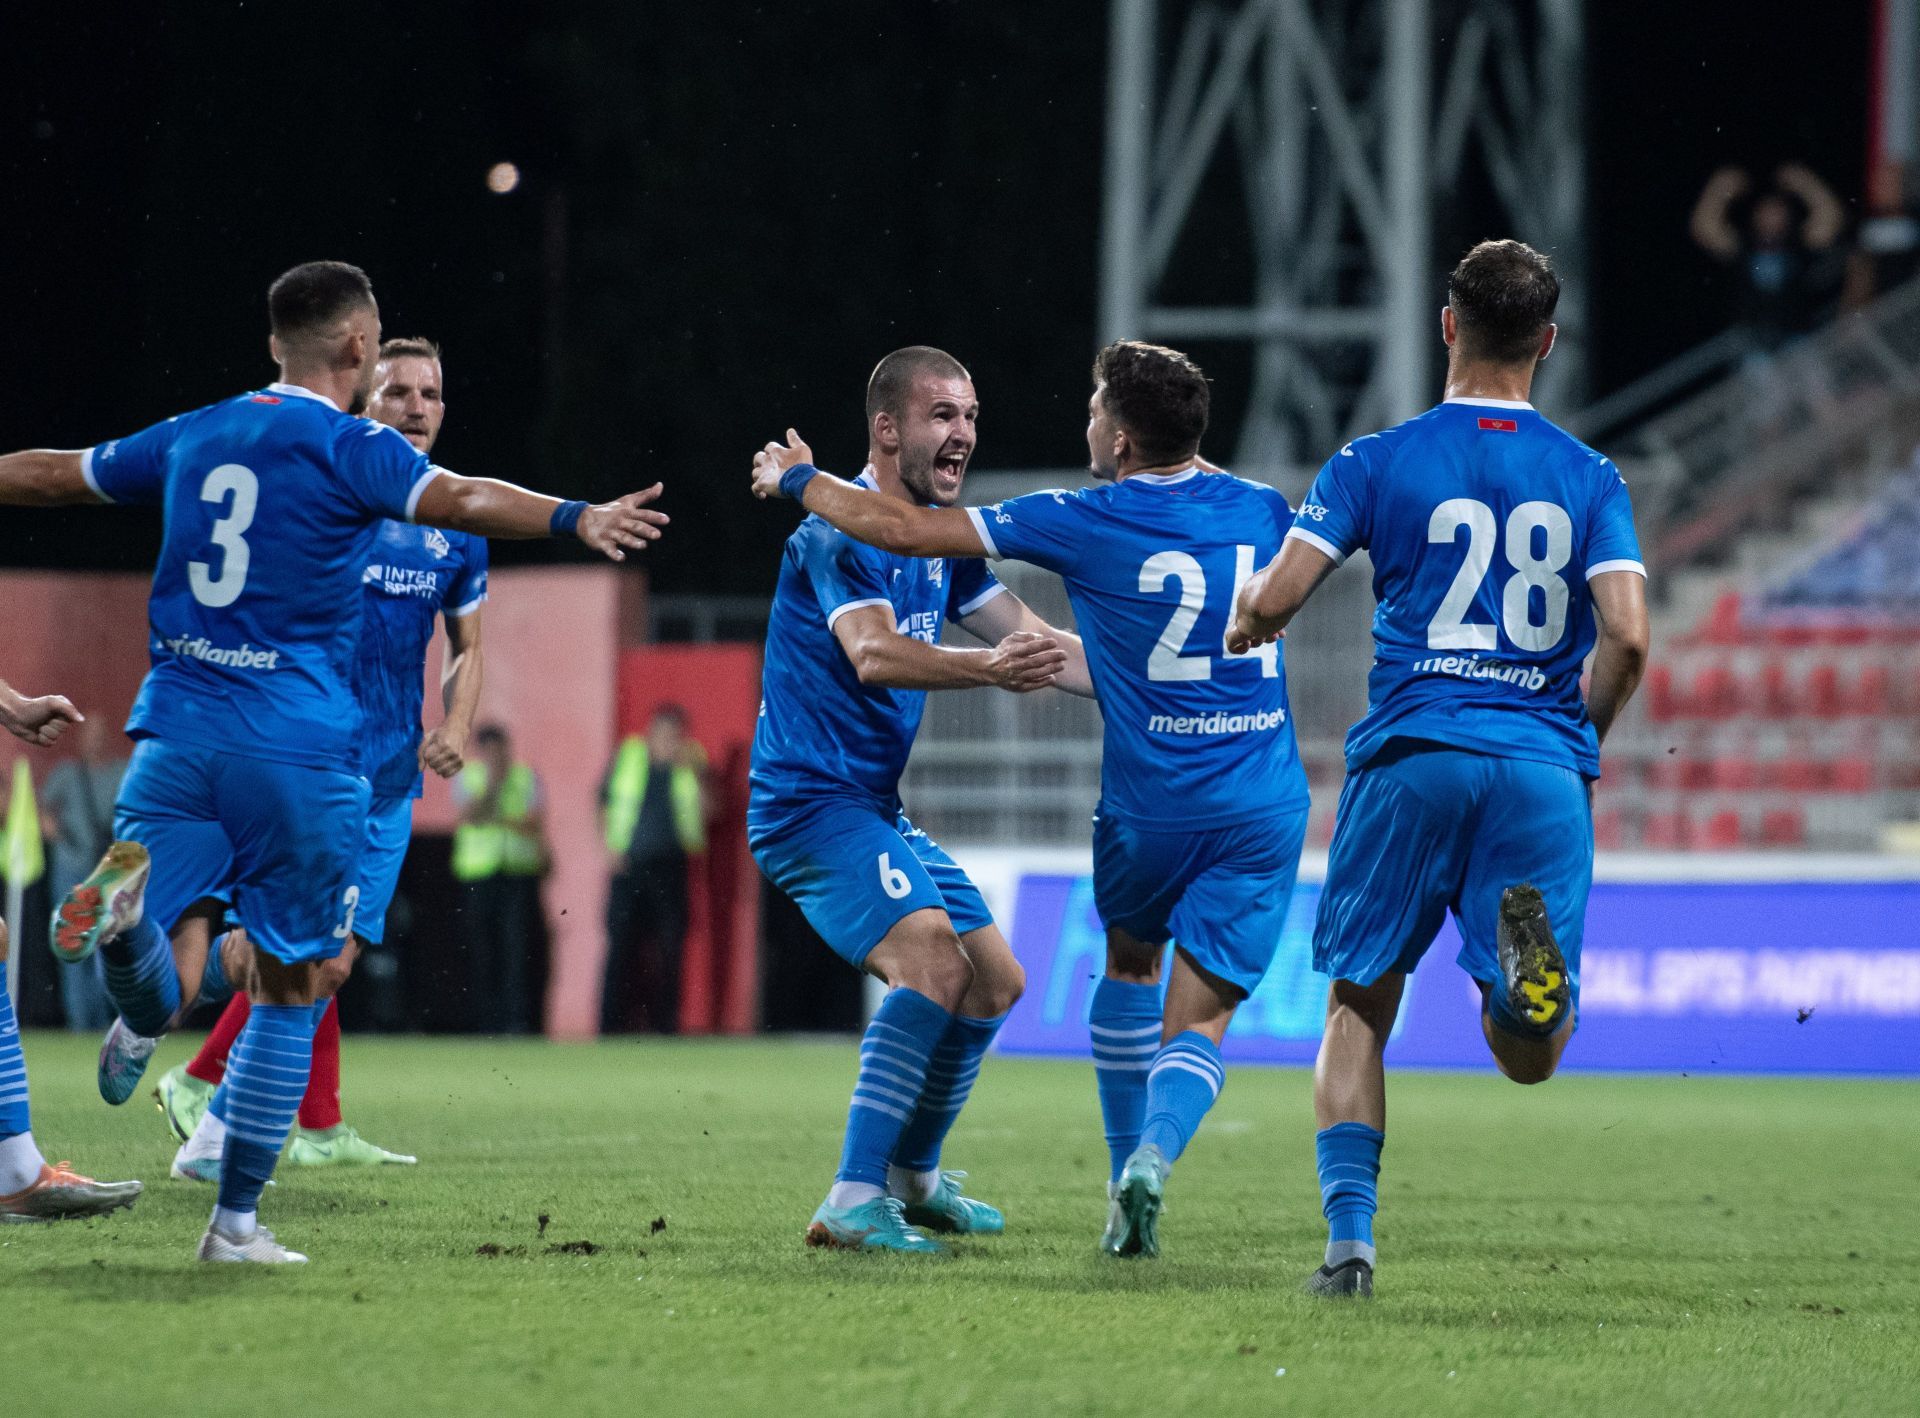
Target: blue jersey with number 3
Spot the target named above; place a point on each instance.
(1485, 523)
(272, 502)
(1194, 737)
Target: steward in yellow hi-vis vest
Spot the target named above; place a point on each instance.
(653, 810)
(499, 858)
(509, 840)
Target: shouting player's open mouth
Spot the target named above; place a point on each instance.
(950, 470)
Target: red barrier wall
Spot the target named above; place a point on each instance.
(719, 687)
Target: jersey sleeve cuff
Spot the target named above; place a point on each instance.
(86, 472)
(1601, 568)
(1298, 533)
(842, 609)
(986, 538)
(996, 589)
(456, 612)
(420, 485)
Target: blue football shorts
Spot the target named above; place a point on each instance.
(1221, 895)
(280, 842)
(1424, 829)
(855, 870)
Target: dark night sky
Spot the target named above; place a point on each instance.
(729, 213)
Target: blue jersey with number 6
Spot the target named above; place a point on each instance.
(272, 502)
(1194, 737)
(1485, 523)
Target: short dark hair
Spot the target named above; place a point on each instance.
(1503, 294)
(893, 378)
(487, 733)
(1157, 395)
(675, 714)
(314, 295)
(409, 347)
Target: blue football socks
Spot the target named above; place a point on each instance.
(1185, 1079)
(894, 1057)
(266, 1076)
(1124, 1022)
(950, 1075)
(1349, 1160)
(141, 978)
(14, 1117)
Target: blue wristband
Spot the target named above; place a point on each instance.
(793, 482)
(565, 518)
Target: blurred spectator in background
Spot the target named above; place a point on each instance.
(76, 814)
(1886, 253)
(653, 804)
(499, 857)
(1783, 251)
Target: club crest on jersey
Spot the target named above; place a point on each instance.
(437, 542)
(936, 573)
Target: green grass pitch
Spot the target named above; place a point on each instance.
(1601, 1245)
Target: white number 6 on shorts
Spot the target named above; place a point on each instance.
(893, 881)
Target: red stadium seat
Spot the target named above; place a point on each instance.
(1823, 691)
(1852, 774)
(1665, 831)
(1783, 827)
(1735, 772)
(1873, 694)
(1609, 829)
(1660, 700)
(1715, 693)
(1774, 692)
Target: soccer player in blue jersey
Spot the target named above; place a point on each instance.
(32, 1188)
(1503, 553)
(245, 783)
(852, 648)
(1203, 802)
(418, 577)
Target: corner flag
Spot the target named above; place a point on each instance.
(22, 855)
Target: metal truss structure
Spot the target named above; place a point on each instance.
(1353, 122)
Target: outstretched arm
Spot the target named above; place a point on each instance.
(870, 517)
(1620, 656)
(1006, 614)
(36, 721)
(880, 655)
(499, 509)
(1710, 224)
(44, 477)
(1273, 596)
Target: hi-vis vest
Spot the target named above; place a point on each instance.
(627, 790)
(484, 849)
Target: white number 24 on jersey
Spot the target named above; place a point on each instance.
(1450, 629)
(1166, 662)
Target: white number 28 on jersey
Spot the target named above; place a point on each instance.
(1450, 629)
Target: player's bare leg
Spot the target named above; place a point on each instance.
(1350, 1111)
(1199, 1006)
(1523, 1059)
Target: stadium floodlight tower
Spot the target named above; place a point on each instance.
(1349, 118)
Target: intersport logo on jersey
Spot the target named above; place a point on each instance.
(1207, 724)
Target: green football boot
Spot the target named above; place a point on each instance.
(340, 1146)
(877, 1225)
(182, 1100)
(1133, 1223)
(949, 1212)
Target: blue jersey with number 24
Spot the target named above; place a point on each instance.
(1194, 737)
(272, 501)
(1485, 523)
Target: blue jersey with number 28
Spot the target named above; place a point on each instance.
(1485, 523)
(1194, 737)
(272, 502)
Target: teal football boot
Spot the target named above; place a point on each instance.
(877, 1225)
(1133, 1223)
(949, 1212)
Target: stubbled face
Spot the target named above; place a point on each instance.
(407, 396)
(1103, 435)
(937, 437)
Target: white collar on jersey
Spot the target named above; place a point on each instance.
(867, 478)
(1491, 403)
(300, 393)
(1161, 479)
